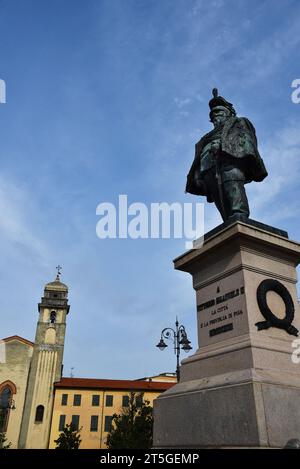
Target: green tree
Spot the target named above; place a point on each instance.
(68, 438)
(133, 428)
(3, 441)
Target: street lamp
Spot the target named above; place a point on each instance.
(179, 338)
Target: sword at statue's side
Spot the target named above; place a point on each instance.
(220, 185)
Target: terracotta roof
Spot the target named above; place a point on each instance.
(89, 383)
(20, 339)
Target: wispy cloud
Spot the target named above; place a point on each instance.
(17, 213)
(281, 156)
(267, 56)
(182, 102)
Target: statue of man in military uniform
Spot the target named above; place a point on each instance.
(226, 159)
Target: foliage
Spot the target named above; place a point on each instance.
(133, 428)
(68, 438)
(3, 441)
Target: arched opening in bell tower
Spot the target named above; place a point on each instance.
(53, 317)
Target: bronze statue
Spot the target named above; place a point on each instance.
(225, 159)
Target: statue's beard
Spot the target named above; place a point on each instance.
(217, 123)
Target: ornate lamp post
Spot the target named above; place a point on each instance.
(179, 338)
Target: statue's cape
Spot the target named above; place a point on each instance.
(238, 140)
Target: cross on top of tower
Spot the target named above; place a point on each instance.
(58, 268)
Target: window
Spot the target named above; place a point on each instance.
(53, 317)
(125, 401)
(39, 414)
(107, 423)
(138, 401)
(94, 423)
(64, 399)
(75, 422)
(77, 399)
(95, 400)
(62, 423)
(5, 402)
(109, 400)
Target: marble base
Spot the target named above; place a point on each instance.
(240, 388)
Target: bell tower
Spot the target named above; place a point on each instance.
(46, 365)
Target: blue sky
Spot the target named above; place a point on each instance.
(108, 97)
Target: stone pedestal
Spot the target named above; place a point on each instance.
(241, 387)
